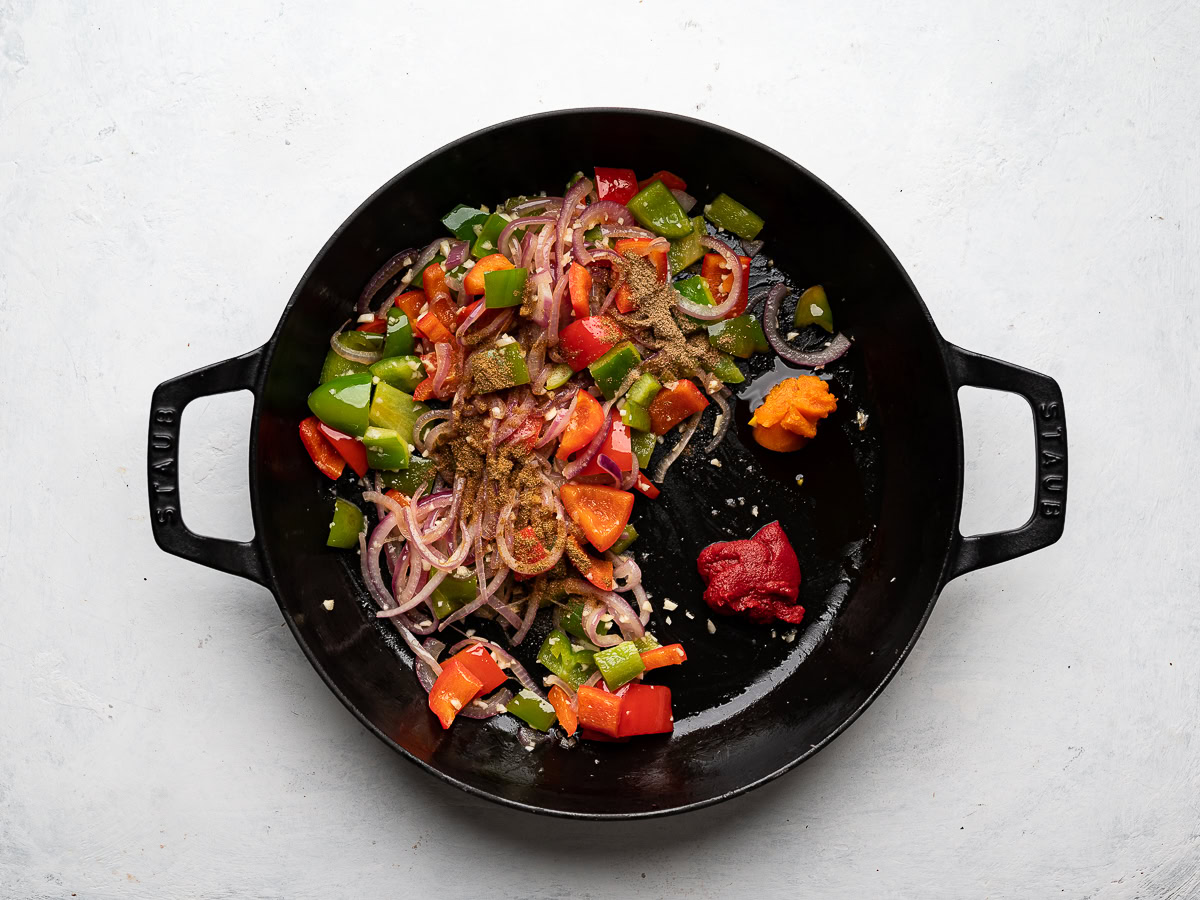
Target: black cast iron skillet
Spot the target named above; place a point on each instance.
(875, 522)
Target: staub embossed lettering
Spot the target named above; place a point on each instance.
(162, 443)
(1050, 460)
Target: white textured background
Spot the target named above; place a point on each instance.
(167, 171)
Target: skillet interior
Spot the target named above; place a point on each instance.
(873, 522)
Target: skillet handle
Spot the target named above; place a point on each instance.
(1045, 525)
(162, 466)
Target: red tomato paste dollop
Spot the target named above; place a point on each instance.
(759, 578)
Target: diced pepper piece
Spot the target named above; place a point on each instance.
(638, 247)
(419, 278)
(643, 443)
(562, 708)
(489, 236)
(601, 511)
(600, 711)
(670, 179)
(419, 473)
(362, 341)
(620, 664)
(729, 215)
(586, 340)
(474, 283)
(528, 547)
(561, 657)
(499, 368)
(645, 486)
(628, 536)
(346, 525)
(586, 419)
(401, 372)
(617, 447)
(720, 281)
(375, 326)
(410, 303)
(741, 336)
(504, 287)
(686, 250)
(572, 621)
(644, 389)
(479, 662)
(674, 403)
(399, 340)
(698, 290)
(386, 449)
(634, 415)
(432, 327)
(617, 185)
(646, 642)
(656, 208)
(336, 366)
(580, 285)
(670, 655)
(461, 221)
(727, 370)
(436, 289)
(597, 571)
(610, 370)
(343, 402)
(454, 689)
(813, 309)
(559, 375)
(395, 410)
(646, 709)
(351, 450)
(453, 593)
(532, 710)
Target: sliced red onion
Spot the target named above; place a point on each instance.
(836, 350)
(627, 620)
(721, 310)
(410, 639)
(559, 423)
(686, 200)
(610, 467)
(445, 362)
(556, 304)
(541, 282)
(721, 398)
(659, 243)
(486, 707)
(514, 419)
(555, 681)
(606, 211)
(470, 320)
(515, 251)
(591, 625)
(457, 255)
(593, 679)
(626, 572)
(606, 255)
(372, 573)
(643, 600)
(631, 476)
(366, 357)
(660, 471)
(612, 292)
(565, 215)
(495, 327)
(423, 420)
(547, 203)
(417, 599)
(584, 456)
(418, 542)
(625, 231)
(531, 611)
(422, 261)
(386, 273)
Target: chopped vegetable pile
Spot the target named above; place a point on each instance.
(504, 403)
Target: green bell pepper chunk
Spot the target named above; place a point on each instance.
(399, 340)
(593, 234)
(687, 250)
(609, 371)
(642, 443)
(347, 525)
(504, 287)
(343, 403)
(657, 209)
(395, 410)
(385, 449)
(570, 664)
(813, 309)
(646, 642)
(489, 235)
(419, 278)
(740, 336)
(461, 221)
(726, 370)
(403, 372)
(408, 481)
(362, 341)
(643, 391)
(620, 664)
(336, 366)
(634, 415)
(452, 594)
(628, 536)
(697, 290)
(729, 215)
(559, 375)
(532, 710)
(572, 621)
(499, 369)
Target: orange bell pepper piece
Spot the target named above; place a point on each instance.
(580, 286)
(586, 420)
(599, 710)
(473, 282)
(673, 404)
(454, 689)
(478, 661)
(601, 512)
(598, 571)
(670, 655)
(562, 707)
(624, 298)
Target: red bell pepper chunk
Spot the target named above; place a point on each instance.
(586, 340)
(349, 448)
(479, 662)
(322, 453)
(599, 710)
(617, 185)
(411, 302)
(424, 390)
(602, 512)
(670, 180)
(624, 298)
(580, 284)
(675, 403)
(375, 326)
(645, 486)
(670, 655)
(716, 273)
(564, 710)
(646, 709)
(455, 688)
(617, 447)
(586, 419)
(527, 432)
